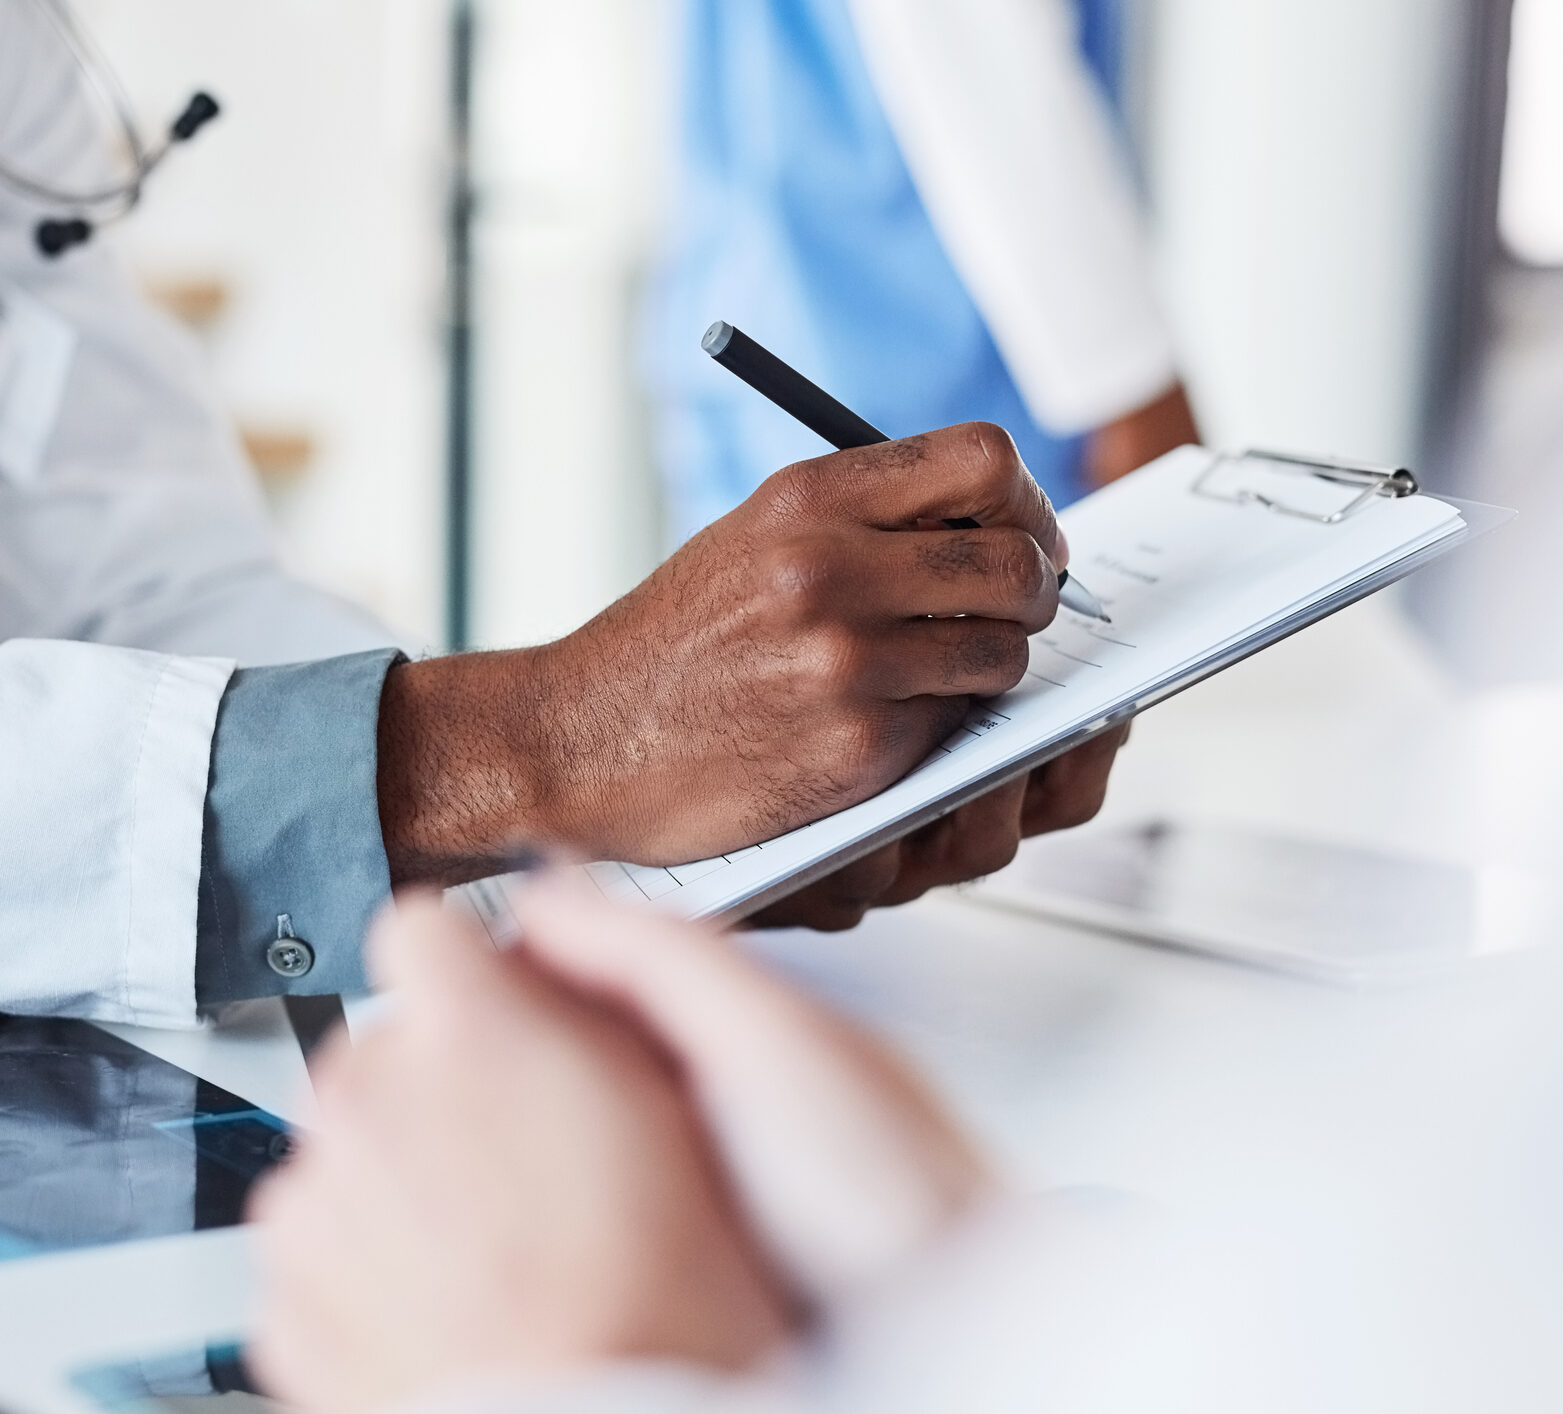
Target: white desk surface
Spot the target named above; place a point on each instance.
(1397, 1155)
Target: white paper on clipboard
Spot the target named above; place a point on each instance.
(1200, 559)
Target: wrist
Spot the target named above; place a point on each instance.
(464, 771)
(1141, 436)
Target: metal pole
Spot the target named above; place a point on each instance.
(458, 471)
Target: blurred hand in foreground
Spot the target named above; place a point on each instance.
(623, 1140)
(507, 1180)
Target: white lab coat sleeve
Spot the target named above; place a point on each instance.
(132, 523)
(143, 525)
(104, 754)
(1011, 148)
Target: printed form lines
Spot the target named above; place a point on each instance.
(1073, 657)
(650, 881)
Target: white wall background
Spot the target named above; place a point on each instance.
(317, 196)
(1532, 199)
(572, 137)
(1293, 150)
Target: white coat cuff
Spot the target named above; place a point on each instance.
(104, 754)
(169, 792)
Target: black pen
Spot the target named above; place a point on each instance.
(838, 424)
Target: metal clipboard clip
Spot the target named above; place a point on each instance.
(1373, 481)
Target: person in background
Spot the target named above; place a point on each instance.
(922, 205)
(624, 1170)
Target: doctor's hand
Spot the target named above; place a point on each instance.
(794, 658)
(509, 1180)
(976, 840)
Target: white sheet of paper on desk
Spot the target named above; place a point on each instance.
(1183, 576)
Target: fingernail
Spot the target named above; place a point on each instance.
(1060, 550)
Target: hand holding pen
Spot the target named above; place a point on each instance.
(838, 424)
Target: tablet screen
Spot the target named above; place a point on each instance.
(103, 1142)
(211, 1378)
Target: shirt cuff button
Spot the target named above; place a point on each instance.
(290, 957)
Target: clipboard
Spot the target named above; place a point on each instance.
(1319, 499)
(1365, 483)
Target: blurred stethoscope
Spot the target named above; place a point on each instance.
(82, 212)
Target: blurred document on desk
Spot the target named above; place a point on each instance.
(1335, 912)
(1198, 559)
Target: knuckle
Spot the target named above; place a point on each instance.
(794, 576)
(784, 494)
(834, 661)
(1016, 565)
(992, 454)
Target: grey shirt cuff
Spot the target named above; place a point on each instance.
(292, 861)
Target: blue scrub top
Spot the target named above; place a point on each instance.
(798, 221)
